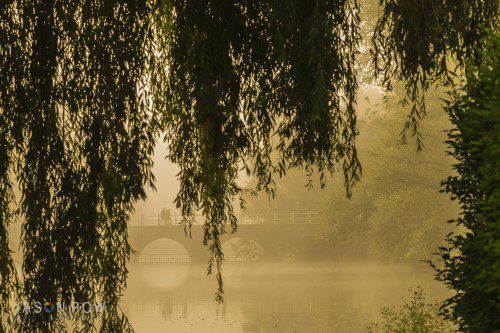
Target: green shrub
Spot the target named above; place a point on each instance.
(470, 264)
(415, 315)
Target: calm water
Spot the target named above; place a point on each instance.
(269, 297)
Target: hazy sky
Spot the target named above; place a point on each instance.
(167, 185)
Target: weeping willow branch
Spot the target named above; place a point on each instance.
(8, 276)
(77, 117)
(415, 42)
(9, 284)
(246, 79)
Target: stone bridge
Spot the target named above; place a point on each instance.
(279, 236)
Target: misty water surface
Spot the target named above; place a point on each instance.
(267, 297)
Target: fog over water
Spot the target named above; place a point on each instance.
(269, 297)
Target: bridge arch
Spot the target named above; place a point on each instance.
(164, 250)
(140, 237)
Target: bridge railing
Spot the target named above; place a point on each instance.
(264, 218)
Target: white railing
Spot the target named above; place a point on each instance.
(265, 218)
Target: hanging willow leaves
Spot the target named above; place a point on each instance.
(77, 115)
(247, 79)
(8, 55)
(416, 42)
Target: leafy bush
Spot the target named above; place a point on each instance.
(416, 315)
(471, 262)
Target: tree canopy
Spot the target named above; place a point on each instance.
(87, 86)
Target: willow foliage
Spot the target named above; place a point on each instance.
(234, 81)
(8, 275)
(250, 78)
(78, 133)
(424, 42)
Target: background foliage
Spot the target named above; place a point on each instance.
(396, 212)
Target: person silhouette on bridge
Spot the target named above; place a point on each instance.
(165, 218)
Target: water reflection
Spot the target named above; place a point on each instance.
(268, 297)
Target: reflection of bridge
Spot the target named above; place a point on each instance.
(155, 258)
(280, 235)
